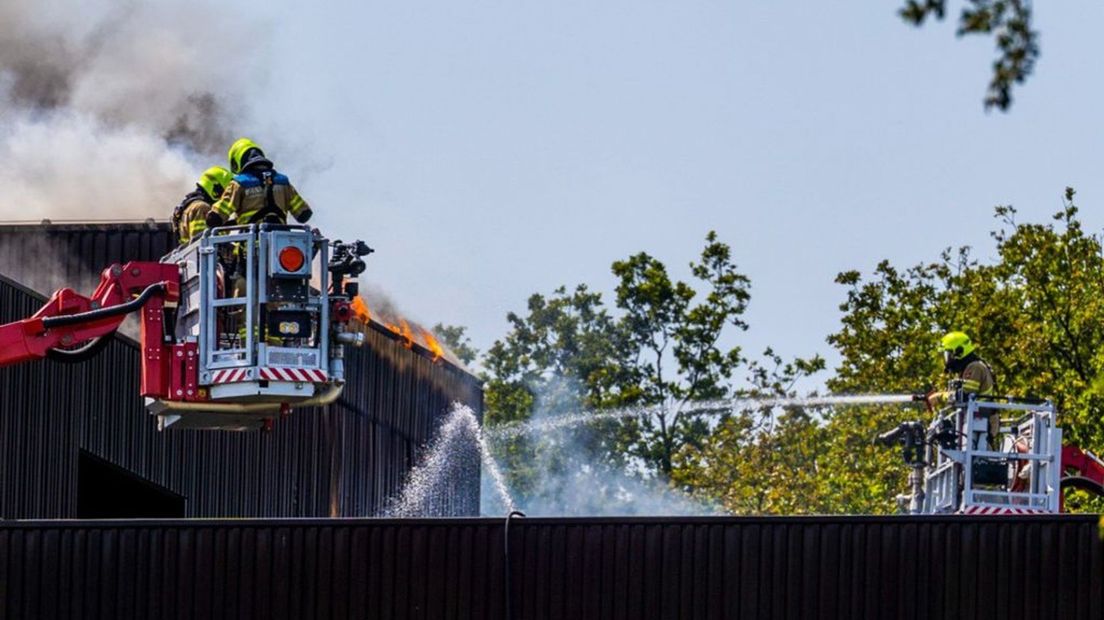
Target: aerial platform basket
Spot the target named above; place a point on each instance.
(259, 329)
(954, 470)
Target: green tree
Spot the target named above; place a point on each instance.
(1007, 21)
(662, 347)
(760, 460)
(1035, 311)
(455, 339)
(567, 338)
(675, 344)
(564, 354)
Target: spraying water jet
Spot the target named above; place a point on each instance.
(462, 445)
(710, 407)
(458, 450)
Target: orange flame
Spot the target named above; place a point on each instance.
(360, 310)
(402, 328)
(407, 335)
(432, 345)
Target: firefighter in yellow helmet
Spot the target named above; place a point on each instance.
(973, 375)
(257, 193)
(189, 218)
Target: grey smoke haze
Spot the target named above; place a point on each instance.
(109, 109)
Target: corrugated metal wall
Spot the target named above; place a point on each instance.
(344, 461)
(36, 450)
(846, 567)
(48, 257)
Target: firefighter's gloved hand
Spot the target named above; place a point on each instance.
(214, 220)
(304, 215)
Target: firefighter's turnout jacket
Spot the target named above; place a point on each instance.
(190, 216)
(258, 192)
(975, 378)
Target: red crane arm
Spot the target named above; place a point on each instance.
(1085, 463)
(69, 318)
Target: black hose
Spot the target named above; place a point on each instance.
(103, 313)
(506, 554)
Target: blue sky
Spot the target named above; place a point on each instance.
(493, 149)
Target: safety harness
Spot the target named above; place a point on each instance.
(270, 207)
(262, 169)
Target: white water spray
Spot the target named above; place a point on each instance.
(435, 487)
(711, 407)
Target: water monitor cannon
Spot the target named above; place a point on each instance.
(910, 436)
(347, 262)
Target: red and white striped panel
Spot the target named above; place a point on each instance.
(230, 375)
(995, 510)
(301, 375)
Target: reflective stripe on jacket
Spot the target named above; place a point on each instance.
(193, 220)
(248, 194)
(977, 378)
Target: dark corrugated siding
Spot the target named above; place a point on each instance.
(48, 257)
(847, 567)
(37, 451)
(346, 461)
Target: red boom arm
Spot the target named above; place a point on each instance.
(69, 319)
(1084, 463)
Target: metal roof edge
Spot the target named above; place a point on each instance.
(48, 225)
(423, 351)
(1092, 519)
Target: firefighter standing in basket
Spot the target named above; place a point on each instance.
(257, 193)
(189, 218)
(973, 375)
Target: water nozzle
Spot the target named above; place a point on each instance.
(889, 437)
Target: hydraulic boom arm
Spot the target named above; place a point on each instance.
(1083, 469)
(69, 319)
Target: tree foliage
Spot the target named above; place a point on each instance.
(760, 460)
(1007, 21)
(661, 344)
(676, 356)
(566, 339)
(455, 338)
(1034, 309)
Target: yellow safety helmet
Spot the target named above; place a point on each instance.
(956, 345)
(238, 150)
(214, 180)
